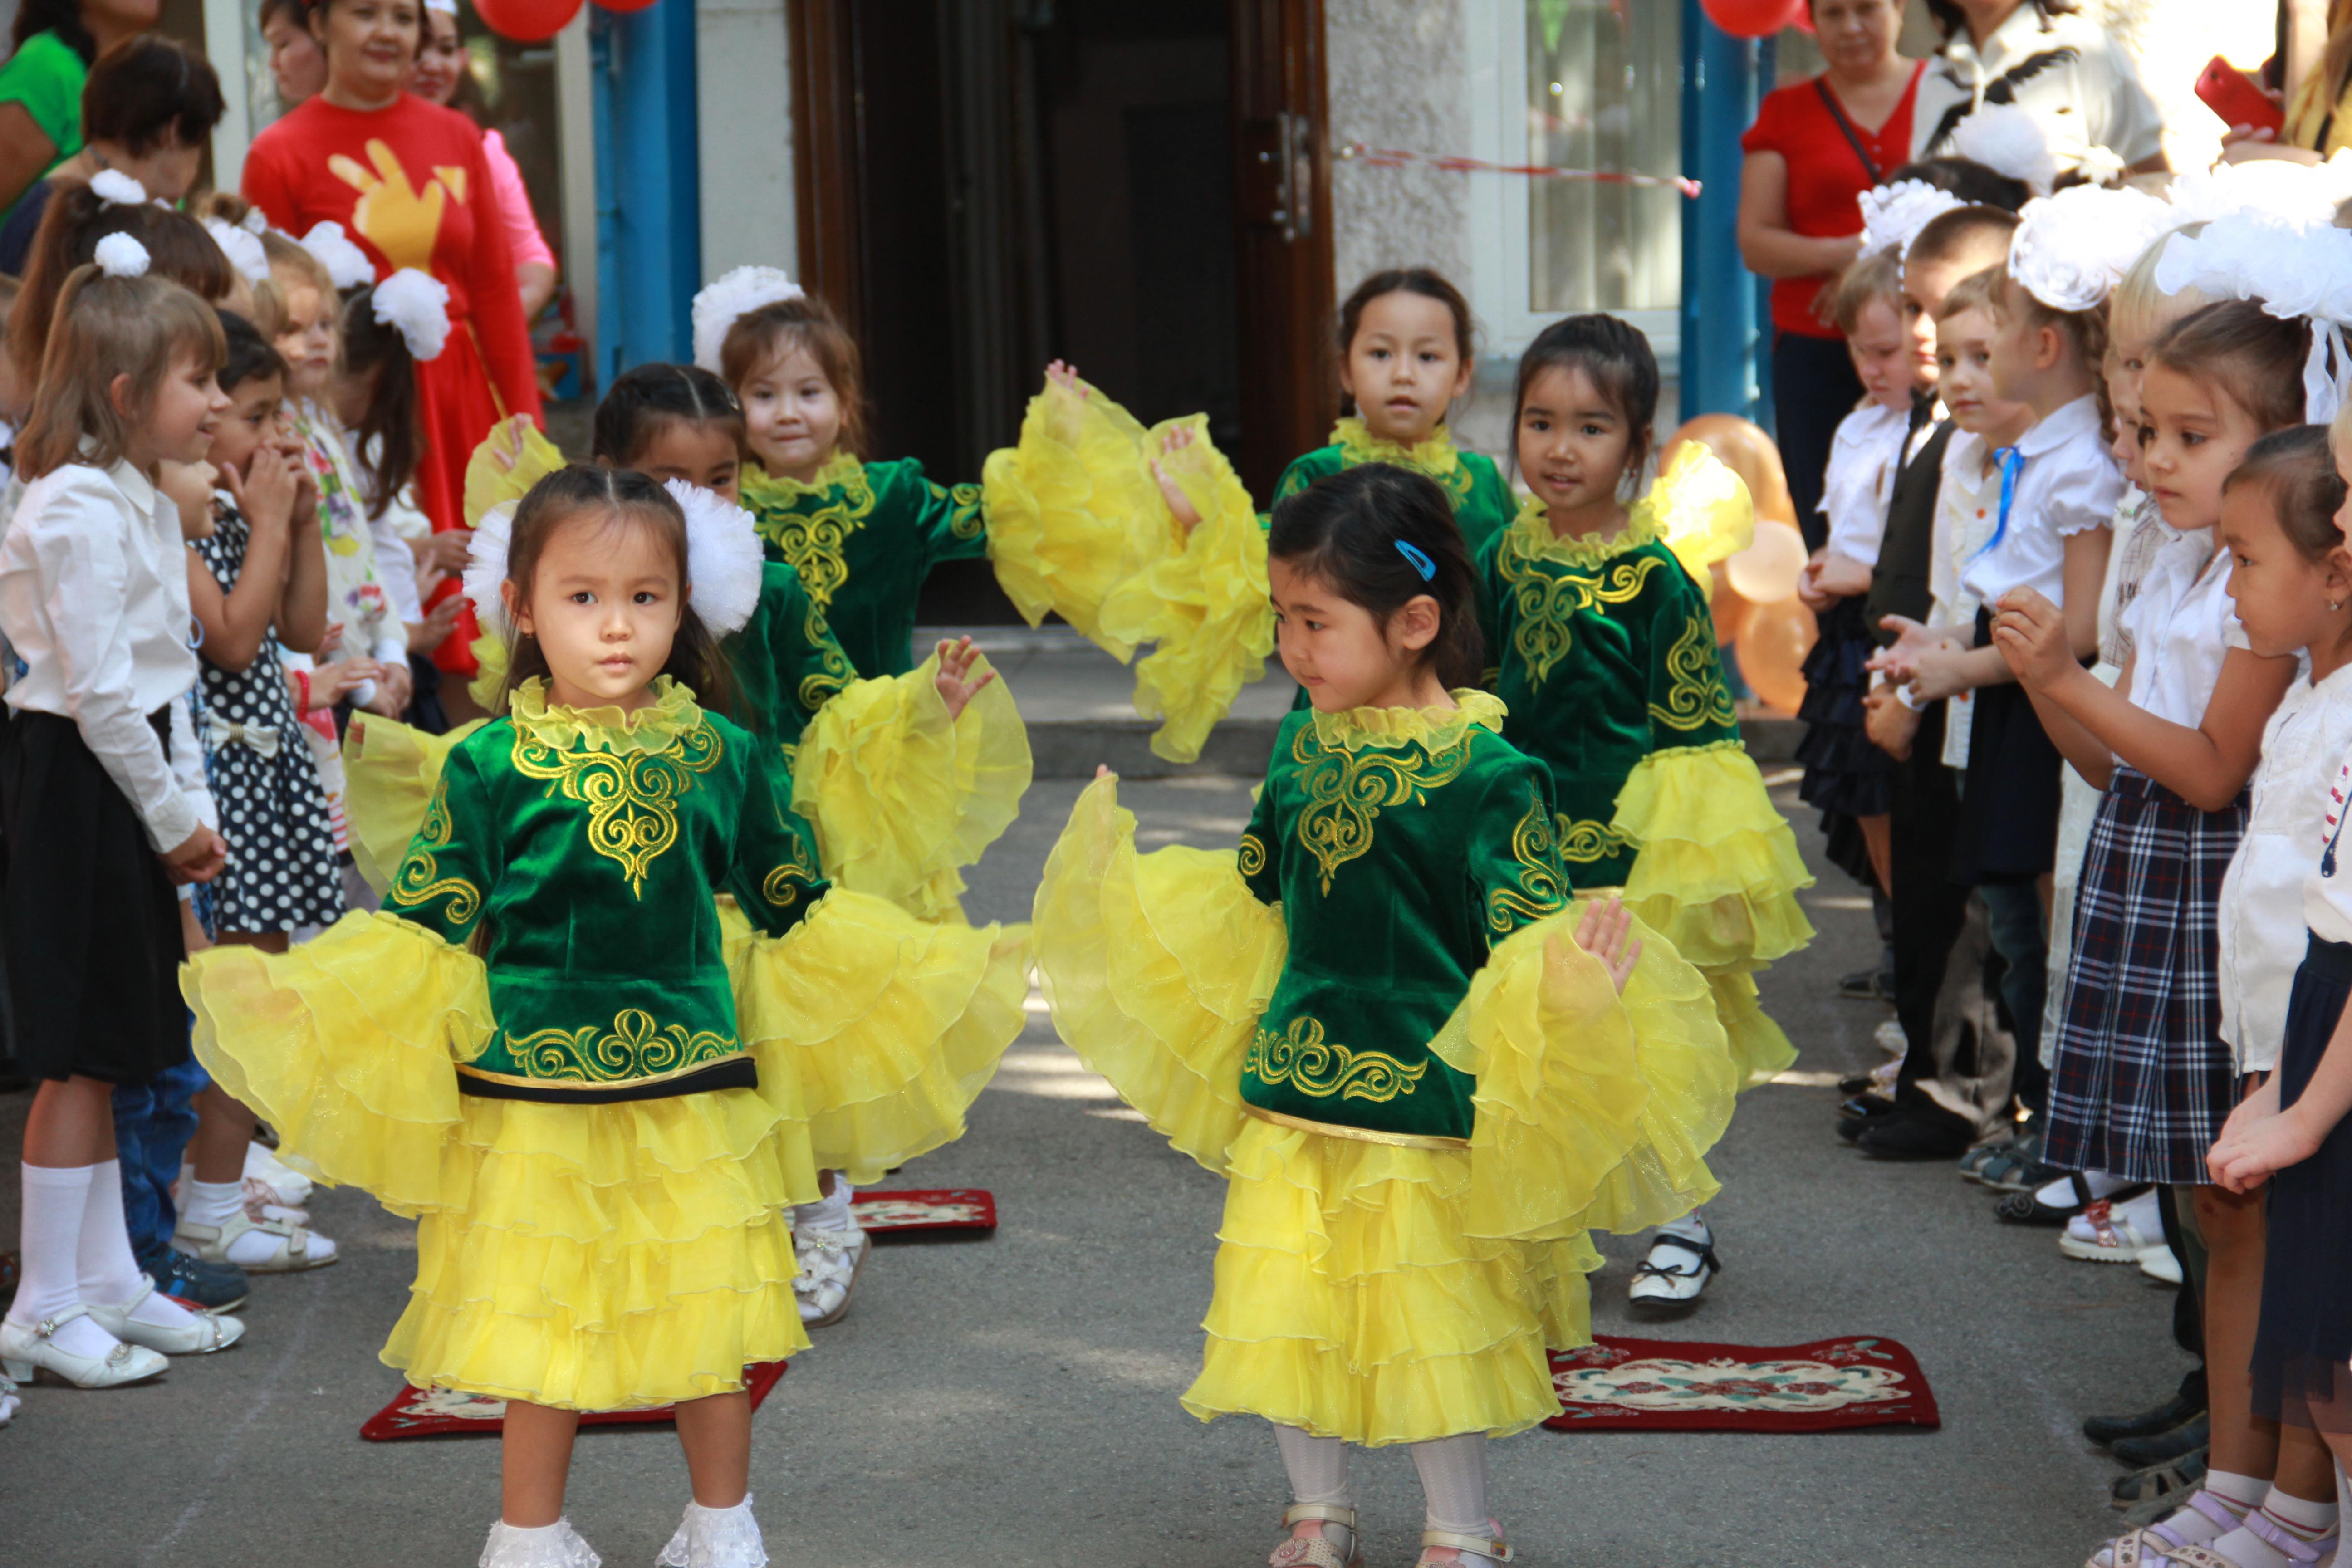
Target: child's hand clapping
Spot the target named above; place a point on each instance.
(1900, 661)
(2030, 633)
(956, 688)
(1606, 932)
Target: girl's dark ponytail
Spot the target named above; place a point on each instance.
(387, 445)
(1382, 536)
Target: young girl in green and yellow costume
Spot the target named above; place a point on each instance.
(1389, 1023)
(597, 1122)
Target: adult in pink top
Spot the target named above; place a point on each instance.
(441, 77)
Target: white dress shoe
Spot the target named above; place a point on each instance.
(205, 1334)
(25, 1350)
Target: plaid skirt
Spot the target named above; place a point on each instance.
(2141, 1080)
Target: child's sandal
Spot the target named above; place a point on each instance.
(294, 1253)
(1309, 1552)
(1475, 1549)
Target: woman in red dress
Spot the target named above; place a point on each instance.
(407, 180)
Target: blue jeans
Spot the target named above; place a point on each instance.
(153, 1123)
(2013, 921)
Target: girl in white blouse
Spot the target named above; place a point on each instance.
(94, 600)
(2141, 1080)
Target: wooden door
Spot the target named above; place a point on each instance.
(1282, 191)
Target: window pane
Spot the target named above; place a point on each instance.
(1604, 91)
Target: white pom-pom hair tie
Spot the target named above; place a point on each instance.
(2006, 140)
(415, 305)
(119, 256)
(486, 569)
(114, 188)
(734, 296)
(243, 250)
(2070, 250)
(722, 557)
(1893, 215)
(346, 265)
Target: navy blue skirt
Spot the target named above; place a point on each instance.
(2305, 1339)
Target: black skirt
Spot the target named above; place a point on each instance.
(1846, 776)
(2008, 830)
(88, 920)
(2305, 1341)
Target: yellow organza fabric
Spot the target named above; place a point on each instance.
(900, 797)
(1367, 1291)
(615, 1257)
(390, 771)
(1701, 509)
(510, 460)
(1761, 1051)
(1718, 869)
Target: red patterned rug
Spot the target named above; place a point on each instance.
(1667, 1385)
(917, 1212)
(437, 1412)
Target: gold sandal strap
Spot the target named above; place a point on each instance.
(1483, 1545)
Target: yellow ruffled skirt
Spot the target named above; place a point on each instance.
(609, 1256)
(1365, 1290)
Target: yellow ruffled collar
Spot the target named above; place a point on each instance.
(1435, 457)
(652, 728)
(837, 472)
(1698, 507)
(1431, 729)
(1531, 535)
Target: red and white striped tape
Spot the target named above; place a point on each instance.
(1397, 158)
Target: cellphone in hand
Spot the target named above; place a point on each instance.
(2233, 94)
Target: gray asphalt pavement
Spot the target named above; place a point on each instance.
(1012, 1401)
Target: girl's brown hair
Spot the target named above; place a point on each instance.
(2255, 358)
(2306, 490)
(619, 498)
(1427, 282)
(77, 219)
(2086, 329)
(1977, 291)
(290, 265)
(106, 328)
(760, 337)
(386, 443)
(1878, 277)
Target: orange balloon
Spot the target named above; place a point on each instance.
(1730, 609)
(1771, 651)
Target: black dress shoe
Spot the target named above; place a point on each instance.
(1865, 1107)
(1867, 985)
(2186, 1405)
(2161, 1447)
(1928, 1133)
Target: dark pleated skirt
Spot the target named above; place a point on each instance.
(2304, 1343)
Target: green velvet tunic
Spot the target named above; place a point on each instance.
(1400, 846)
(1604, 654)
(862, 537)
(785, 662)
(594, 853)
(1483, 503)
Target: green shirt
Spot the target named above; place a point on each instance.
(593, 848)
(1483, 503)
(1401, 846)
(862, 537)
(785, 661)
(1604, 652)
(46, 76)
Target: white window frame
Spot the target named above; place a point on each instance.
(1494, 59)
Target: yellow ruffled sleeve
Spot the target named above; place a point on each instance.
(512, 459)
(346, 1045)
(488, 687)
(1072, 511)
(1594, 1110)
(1701, 509)
(390, 770)
(876, 1029)
(1205, 604)
(1157, 968)
(899, 795)
(1718, 869)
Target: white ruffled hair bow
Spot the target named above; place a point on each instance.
(2070, 250)
(415, 305)
(2292, 270)
(723, 561)
(734, 296)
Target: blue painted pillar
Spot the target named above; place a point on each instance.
(1722, 347)
(648, 187)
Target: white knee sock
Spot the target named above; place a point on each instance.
(107, 1272)
(1318, 1466)
(828, 1212)
(211, 1202)
(1454, 1481)
(1691, 1226)
(49, 1281)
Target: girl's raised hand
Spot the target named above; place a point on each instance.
(1063, 374)
(266, 491)
(956, 687)
(505, 441)
(2030, 633)
(1606, 932)
(1179, 503)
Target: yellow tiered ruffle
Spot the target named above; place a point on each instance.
(1203, 603)
(1718, 869)
(883, 1029)
(1760, 1050)
(390, 771)
(1072, 512)
(900, 797)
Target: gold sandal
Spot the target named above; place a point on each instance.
(1314, 1552)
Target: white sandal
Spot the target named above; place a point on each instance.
(556, 1545)
(1312, 1551)
(829, 1260)
(204, 1335)
(716, 1538)
(2102, 1234)
(27, 1351)
(1475, 1549)
(212, 1242)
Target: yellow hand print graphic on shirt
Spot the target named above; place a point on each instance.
(401, 220)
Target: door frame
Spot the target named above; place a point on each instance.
(826, 155)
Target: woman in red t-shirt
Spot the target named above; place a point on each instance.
(1815, 147)
(408, 180)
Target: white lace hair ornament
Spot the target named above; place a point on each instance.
(2070, 250)
(119, 256)
(346, 265)
(1893, 215)
(735, 295)
(415, 305)
(2300, 194)
(242, 248)
(114, 188)
(2008, 141)
(2292, 270)
(722, 561)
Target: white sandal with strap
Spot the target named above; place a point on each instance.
(830, 1263)
(293, 1254)
(24, 1351)
(1319, 1552)
(202, 1334)
(1475, 1549)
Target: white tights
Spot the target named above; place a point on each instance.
(1453, 1475)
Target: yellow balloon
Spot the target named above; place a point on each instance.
(1771, 651)
(1768, 570)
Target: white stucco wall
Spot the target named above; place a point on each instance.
(1396, 80)
(743, 80)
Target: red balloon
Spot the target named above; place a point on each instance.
(1751, 18)
(526, 21)
(625, 5)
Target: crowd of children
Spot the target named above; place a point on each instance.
(616, 970)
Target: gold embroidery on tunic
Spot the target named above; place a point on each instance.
(632, 797)
(419, 878)
(784, 885)
(1583, 842)
(1546, 604)
(1302, 1057)
(1534, 890)
(632, 1047)
(813, 542)
(965, 519)
(1347, 791)
(1251, 856)
(1697, 695)
(835, 670)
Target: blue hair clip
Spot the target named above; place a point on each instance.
(1420, 559)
